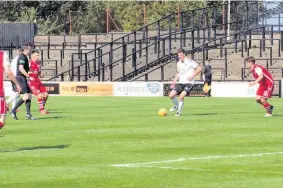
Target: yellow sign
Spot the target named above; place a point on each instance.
(86, 89)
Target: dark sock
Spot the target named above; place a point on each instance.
(18, 104)
(209, 92)
(28, 102)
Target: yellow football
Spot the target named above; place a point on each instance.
(162, 112)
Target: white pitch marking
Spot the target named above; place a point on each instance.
(197, 158)
(201, 169)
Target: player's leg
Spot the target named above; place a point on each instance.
(44, 94)
(25, 99)
(28, 103)
(2, 112)
(261, 97)
(13, 98)
(267, 94)
(172, 95)
(181, 102)
(186, 89)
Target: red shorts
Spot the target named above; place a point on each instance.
(3, 109)
(37, 87)
(265, 91)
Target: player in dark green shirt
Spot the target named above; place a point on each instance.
(22, 78)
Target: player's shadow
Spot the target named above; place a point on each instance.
(277, 114)
(56, 112)
(35, 148)
(205, 114)
(50, 117)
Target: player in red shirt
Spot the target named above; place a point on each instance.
(36, 86)
(266, 84)
(5, 65)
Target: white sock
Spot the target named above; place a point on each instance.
(175, 101)
(14, 96)
(181, 104)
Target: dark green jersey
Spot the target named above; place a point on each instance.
(23, 60)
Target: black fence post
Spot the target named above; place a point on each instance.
(72, 71)
(242, 48)
(170, 32)
(99, 63)
(193, 39)
(56, 67)
(103, 72)
(63, 50)
(61, 57)
(124, 58)
(281, 39)
(111, 61)
(271, 37)
(260, 48)
(263, 37)
(140, 48)
(155, 45)
(271, 61)
(248, 52)
(221, 47)
(214, 25)
(226, 63)
(245, 38)
(134, 62)
(163, 47)
(235, 43)
(86, 67)
(48, 47)
(206, 51)
(250, 38)
(41, 57)
(79, 44)
(135, 40)
(279, 50)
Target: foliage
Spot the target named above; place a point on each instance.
(90, 16)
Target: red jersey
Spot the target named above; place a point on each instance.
(267, 78)
(4, 60)
(35, 68)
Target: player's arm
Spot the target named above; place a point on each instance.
(9, 72)
(198, 69)
(260, 76)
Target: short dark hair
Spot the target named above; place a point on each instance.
(34, 52)
(181, 51)
(25, 47)
(250, 59)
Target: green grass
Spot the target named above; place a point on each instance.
(78, 143)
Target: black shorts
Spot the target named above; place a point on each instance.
(183, 87)
(14, 87)
(24, 84)
(207, 82)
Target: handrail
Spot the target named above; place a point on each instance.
(174, 56)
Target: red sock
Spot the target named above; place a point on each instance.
(1, 125)
(40, 103)
(266, 105)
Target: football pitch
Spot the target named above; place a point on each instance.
(122, 142)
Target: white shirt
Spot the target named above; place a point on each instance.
(186, 69)
(5, 59)
(14, 65)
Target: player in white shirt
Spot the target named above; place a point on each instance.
(187, 69)
(16, 95)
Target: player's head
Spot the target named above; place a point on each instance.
(181, 54)
(34, 55)
(25, 49)
(250, 61)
